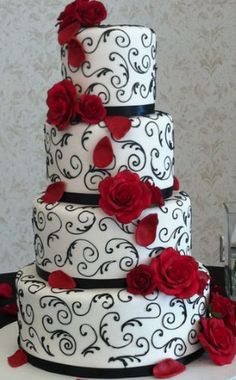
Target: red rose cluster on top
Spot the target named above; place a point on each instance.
(125, 196)
(65, 106)
(79, 13)
(171, 273)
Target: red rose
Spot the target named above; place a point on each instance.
(224, 308)
(91, 109)
(90, 13)
(176, 275)
(124, 196)
(141, 280)
(69, 24)
(217, 340)
(62, 103)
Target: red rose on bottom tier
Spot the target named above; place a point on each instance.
(176, 275)
(124, 196)
(218, 341)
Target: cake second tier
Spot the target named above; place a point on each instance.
(147, 149)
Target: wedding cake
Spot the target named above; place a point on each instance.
(114, 288)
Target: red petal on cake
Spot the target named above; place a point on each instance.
(66, 34)
(54, 192)
(176, 185)
(61, 280)
(203, 280)
(18, 359)
(76, 54)
(6, 290)
(118, 125)
(146, 230)
(168, 368)
(103, 153)
(9, 309)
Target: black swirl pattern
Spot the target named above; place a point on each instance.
(85, 221)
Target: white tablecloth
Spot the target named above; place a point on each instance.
(201, 369)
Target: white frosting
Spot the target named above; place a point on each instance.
(120, 65)
(147, 149)
(105, 328)
(86, 243)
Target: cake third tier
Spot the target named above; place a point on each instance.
(96, 249)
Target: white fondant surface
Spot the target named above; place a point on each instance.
(202, 368)
(147, 149)
(86, 243)
(120, 65)
(105, 328)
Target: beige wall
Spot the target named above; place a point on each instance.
(196, 84)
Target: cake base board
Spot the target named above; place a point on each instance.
(201, 368)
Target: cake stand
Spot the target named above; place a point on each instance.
(199, 369)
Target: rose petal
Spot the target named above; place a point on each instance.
(146, 230)
(18, 359)
(176, 185)
(61, 280)
(9, 309)
(118, 125)
(6, 290)
(66, 34)
(54, 192)
(103, 153)
(168, 368)
(76, 54)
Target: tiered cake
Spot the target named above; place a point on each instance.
(117, 220)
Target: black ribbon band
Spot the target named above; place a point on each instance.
(93, 199)
(104, 373)
(131, 110)
(83, 283)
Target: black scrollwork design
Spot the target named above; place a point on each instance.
(52, 217)
(87, 330)
(39, 252)
(105, 299)
(85, 221)
(141, 343)
(124, 249)
(175, 319)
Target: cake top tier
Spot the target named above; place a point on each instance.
(117, 63)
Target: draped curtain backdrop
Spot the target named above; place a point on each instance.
(196, 85)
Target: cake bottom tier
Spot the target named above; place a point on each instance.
(104, 333)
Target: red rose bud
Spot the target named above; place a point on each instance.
(146, 231)
(6, 290)
(62, 103)
(157, 197)
(103, 153)
(176, 275)
(18, 359)
(124, 196)
(168, 368)
(54, 192)
(141, 280)
(90, 13)
(91, 109)
(61, 280)
(217, 340)
(76, 54)
(203, 280)
(119, 126)
(176, 185)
